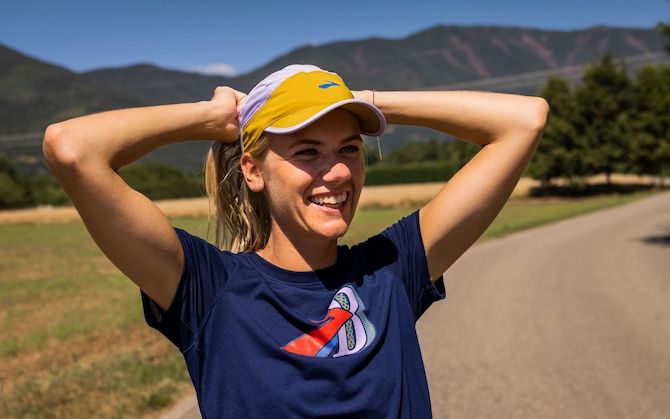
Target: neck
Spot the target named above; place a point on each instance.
(298, 253)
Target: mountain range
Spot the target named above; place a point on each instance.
(34, 93)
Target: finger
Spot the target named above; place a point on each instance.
(240, 104)
(239, 95)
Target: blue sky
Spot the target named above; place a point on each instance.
(239, 36)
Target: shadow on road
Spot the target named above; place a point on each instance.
(662, 240)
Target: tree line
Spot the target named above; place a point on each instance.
(155, 180)
(608, 123)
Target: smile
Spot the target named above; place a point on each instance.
(331, 200)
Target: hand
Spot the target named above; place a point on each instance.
(227, 104)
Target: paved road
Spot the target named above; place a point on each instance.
(569, 320)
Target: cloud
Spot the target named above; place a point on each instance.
(216, 69)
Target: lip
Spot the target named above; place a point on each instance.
(328, 210)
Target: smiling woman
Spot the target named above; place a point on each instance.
(276, 319)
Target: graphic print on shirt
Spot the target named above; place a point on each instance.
(344, 330)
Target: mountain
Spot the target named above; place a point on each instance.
(501, 59)
(155, 85)
(34, 94)
(440, 55)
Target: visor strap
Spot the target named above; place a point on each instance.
(242, 138)
(379, 146)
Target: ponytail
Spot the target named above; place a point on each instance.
(242, 216)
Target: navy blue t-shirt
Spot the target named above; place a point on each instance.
(262, 341)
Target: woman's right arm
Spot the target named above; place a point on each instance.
(84, 155)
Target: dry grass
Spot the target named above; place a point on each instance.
(371, 197)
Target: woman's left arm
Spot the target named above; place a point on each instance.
(507, 126)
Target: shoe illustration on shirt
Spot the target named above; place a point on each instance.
(344, 330)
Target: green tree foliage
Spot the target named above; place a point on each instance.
(415, 153)
(21, 191)
(650, 151)
(453, 152)
(13, 193)
(602, 117)
(45, 190)
(161, 181)
(560, 153)
(155, 180)
(429, 161)
(665, 30)
(391, 174)
(608, 123)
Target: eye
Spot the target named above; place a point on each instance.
(351, 149)
(306, 152)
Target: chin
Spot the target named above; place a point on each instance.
(333, 230)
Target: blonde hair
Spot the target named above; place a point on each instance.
(242, 216)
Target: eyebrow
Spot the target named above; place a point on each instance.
(309, 141)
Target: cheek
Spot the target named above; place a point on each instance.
(358, 171)
(285, 184)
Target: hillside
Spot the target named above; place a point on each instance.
(34, 93)
(441, 55)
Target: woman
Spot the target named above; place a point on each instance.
(289, 324)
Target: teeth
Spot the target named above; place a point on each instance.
(329, 199)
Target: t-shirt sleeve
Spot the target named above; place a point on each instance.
(411, 264)
(207, 270)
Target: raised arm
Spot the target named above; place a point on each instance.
(509, 128)
(84, 155)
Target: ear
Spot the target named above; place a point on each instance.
(251, 171)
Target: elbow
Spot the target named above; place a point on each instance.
(58, 151)
(539, 115)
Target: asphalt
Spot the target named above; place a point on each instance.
(567, 320)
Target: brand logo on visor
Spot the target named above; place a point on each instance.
(327, 85)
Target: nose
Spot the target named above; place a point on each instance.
(336, 171)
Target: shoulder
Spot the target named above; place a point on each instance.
(200, 254)
(386, 247)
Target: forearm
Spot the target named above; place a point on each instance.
(121, 136)
(479, 117)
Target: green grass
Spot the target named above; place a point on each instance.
(60, 295)
(520, 214)
(124, 385)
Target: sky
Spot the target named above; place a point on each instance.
(224, 37)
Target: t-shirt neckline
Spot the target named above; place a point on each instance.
(318, 276)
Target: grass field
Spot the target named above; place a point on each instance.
(74, 341)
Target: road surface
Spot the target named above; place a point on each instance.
(568, 320)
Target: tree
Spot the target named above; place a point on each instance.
(603, 103)
(414, 153)
(665, 30)
(560, 153)
(650, 151)
(160, 181)
(13, 194)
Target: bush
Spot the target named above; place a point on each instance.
(387, 174)
(12, 193)
(45, 190)
(160, 181)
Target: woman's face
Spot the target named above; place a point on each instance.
(313, 177)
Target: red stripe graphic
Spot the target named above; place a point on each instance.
(312, 342)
